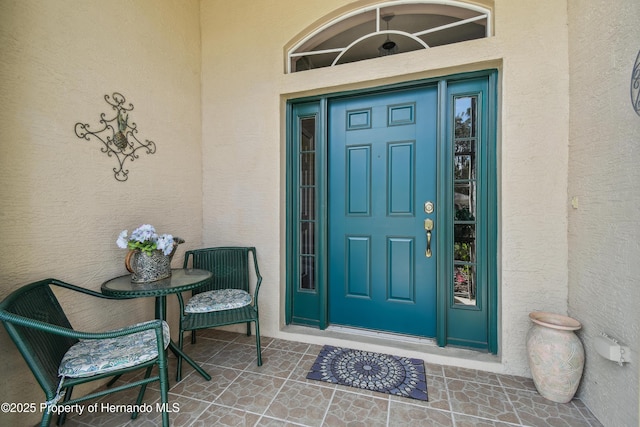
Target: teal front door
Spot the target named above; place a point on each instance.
(382, 189)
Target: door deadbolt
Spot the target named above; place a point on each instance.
(428, 207)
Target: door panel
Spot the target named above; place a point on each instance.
(382, 169)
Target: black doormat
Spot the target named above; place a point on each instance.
(383, 373)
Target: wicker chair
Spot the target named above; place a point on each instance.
(61, 357)
(226, 299)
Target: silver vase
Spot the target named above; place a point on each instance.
(146, 267)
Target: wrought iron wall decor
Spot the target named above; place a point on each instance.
(117, 135)
(635, 85)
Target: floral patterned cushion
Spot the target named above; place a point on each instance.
(92, 357)
(223, 299)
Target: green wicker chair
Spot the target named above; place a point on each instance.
(226, 299)
(61, 357)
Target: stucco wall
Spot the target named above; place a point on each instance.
(604, 227)
(61, 207)
(244, 91)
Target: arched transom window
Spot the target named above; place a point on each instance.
(389, 28)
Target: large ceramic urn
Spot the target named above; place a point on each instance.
(556, 355)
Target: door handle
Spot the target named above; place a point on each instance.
(428, 226)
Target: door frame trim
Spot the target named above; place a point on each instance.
(444, 198)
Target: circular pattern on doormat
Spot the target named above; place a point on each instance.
(383, 373)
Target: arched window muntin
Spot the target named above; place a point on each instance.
(354, 36)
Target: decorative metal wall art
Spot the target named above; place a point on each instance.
(118, 135)
(635, 85)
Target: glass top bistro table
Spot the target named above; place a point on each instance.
(180, 280)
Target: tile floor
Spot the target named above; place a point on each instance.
(278, 394)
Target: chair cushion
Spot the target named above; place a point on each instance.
(91, 357)
(218, 300)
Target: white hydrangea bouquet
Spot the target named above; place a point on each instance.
(150, 253)
(146, 239)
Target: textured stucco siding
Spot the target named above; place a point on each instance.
(604, 227)
(62, 208)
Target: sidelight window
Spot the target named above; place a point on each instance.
(307, 213)
(465, 141)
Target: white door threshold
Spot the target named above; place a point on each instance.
(395, 344)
